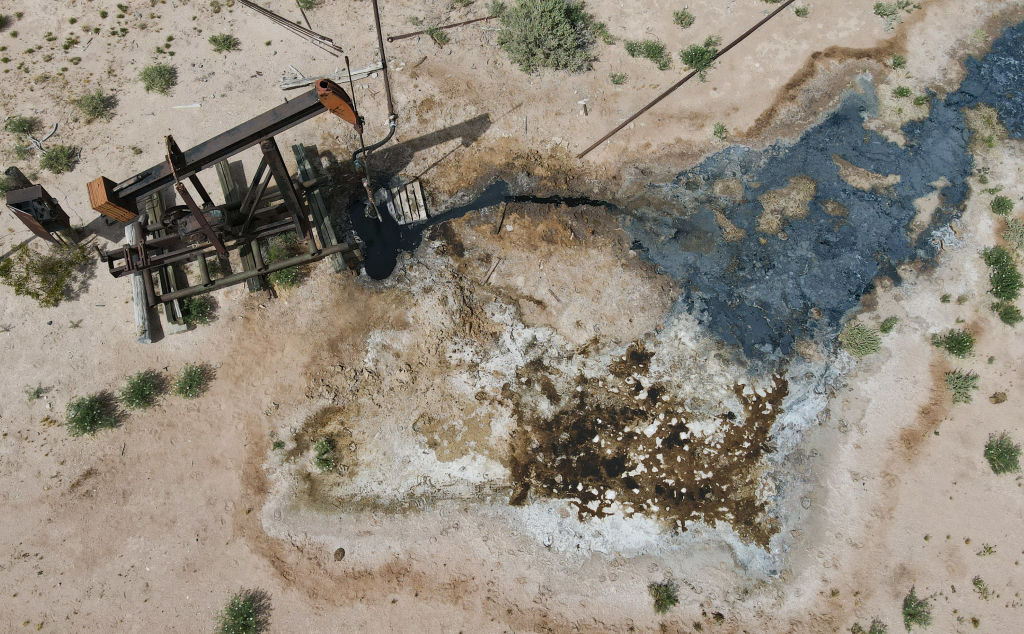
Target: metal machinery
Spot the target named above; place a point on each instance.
(36, 209)
(196, 231)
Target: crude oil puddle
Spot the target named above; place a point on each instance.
(624, 444)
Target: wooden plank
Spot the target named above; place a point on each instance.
(142, 332)
(233, 193)
(103, 200)
(321, 215)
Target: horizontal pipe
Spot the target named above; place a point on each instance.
(392, 38)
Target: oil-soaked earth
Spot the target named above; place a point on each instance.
(765, 282)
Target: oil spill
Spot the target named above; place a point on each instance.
(625, 444)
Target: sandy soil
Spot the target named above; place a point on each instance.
(153, 525)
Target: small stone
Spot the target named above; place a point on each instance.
(997, 398)
(339, 554)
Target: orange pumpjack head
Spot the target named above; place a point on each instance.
(338, 102)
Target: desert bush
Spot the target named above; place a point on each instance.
(720, 131)
(88, 414)
(1014, 233)
(50, 277)
(558, 34)
(888, 324)
(876, 627)
(1007, 313)
(1001, 205)
(898, 62)
(916, 611)
(901, 92)
(35, 393)
(1004, 277)
(198, 310)
(141, 390)
(683, 18)
(324, 458)
(961, 384)
(982, 588)
(309, 4)
(159, 78)
(59, 159)
(19, 124)
(1002, 453)
(653, 50)
(194, 380)
(95, 105)
(860, 340)
(665, 595)
(958, 343)
(224, 43)
(802, 12)
(618, 78)
(701, 57)
(438, 36)
(248, 612)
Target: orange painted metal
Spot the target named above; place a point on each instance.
(338, 102)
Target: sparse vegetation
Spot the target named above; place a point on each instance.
(916, 611)
(1014, 233)
(1007, 313)
(618, 78)
(309, 4)
(1001, 205)
(876, 627)
(281, 248)
(438, 36)
(95, 105)
(653, 50)
(961, 384)
(278, 444)
(665, 595)
(248, 611)
(35, 393)
(1002, 454)
(324, 458)
(19, 124)
(921, 100)
(701, 57)
(683, 18)
(720, 132)
(558, 34)
(159, 78)
(60, 159)
(888, 324)
(88, 414)
(959, 343)
(890, 12)
(194, 380)
(142, 390)
(898, 62)
(802, 12)
(986, 550)
(982, 588)
(860, 340)
(47, 277)
(901, 92)
(198, 310)
(1004, 277)
(224, 42)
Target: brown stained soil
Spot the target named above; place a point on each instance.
(786, 203)
(865, 180)
(623, 444)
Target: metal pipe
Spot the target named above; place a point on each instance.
(682, 81)
(383, 61)
(392, 38)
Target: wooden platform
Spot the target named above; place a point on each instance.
(405, 203)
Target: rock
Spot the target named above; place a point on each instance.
(997, 398)
(339, 554)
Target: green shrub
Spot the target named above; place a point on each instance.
(88, 414)
(888, 324)
(901, 92)
(801, 12)
(665, 595)
(198, 310)
(1014, 233)
(194, 380)
(438, 36)
(59, 159)
(224, 42)
(1005, 279)
(281, 248)
(860, 340)
(309, 4)
(50, 277)
(142, 389)
(96, 105)
(278, 444)
(921, 100)
(720, 131)
(248, 612)
(1007, 313)
(961, 384)
(982, 588)
(876, 627)
(916, 611)
(558, 34)
(324, 458)
(159, 78)
(19, 124)
(683, 18)
(653, 50)
(701, 57)
(898, 62)
(618, 78)
(958, 343)
(1002, 453)
(1001, 205)
(496, 8)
